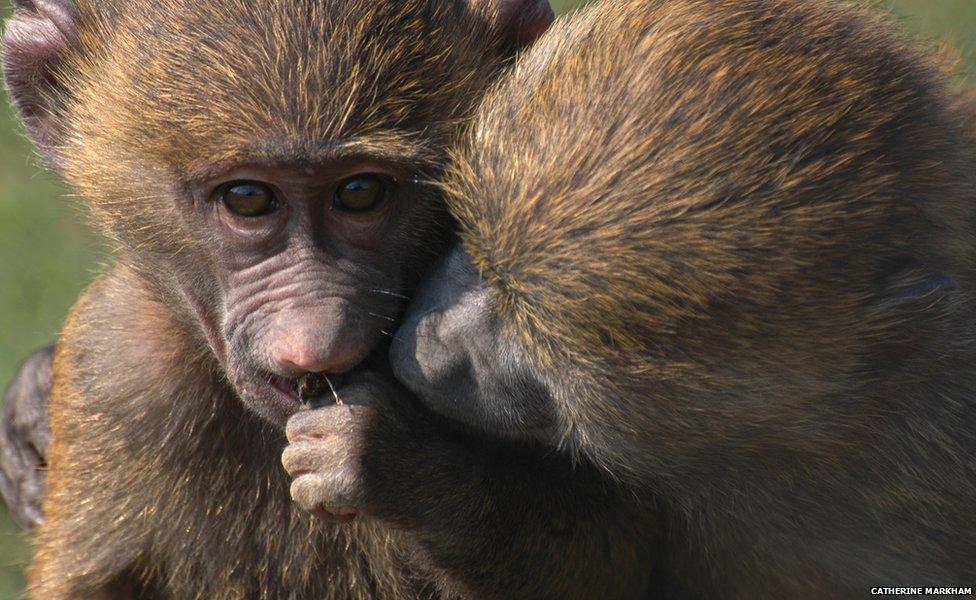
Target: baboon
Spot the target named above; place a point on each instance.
(258, 168)
(720, 255)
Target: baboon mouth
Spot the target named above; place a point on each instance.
(271, 396)
(284, 385)
(310, 390)
(317, 389)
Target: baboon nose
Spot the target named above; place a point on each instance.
(296, 353)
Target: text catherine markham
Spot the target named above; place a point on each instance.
(921, 591)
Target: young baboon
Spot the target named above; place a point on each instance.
(254, 164)
(722, 252)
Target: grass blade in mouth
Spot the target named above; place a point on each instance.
(314, 387)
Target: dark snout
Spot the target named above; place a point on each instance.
(451, 353)
(431, 353)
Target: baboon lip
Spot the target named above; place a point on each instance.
(269, 395)
(284, 385)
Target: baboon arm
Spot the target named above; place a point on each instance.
(88, 544)
(25, 435)
(491, 524)
(534, 530)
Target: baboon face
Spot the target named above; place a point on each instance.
(307, 274)
(452, 353)
(260, 162)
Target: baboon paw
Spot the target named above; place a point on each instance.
(324, 458)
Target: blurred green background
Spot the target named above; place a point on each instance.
(47, 255)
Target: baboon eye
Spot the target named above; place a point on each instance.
(249, 199)
(360, 194)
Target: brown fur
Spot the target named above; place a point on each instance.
(710, 226)
(160, 481)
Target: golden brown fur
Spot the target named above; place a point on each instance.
(199, 92)
(736, 238)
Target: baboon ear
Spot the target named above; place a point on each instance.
(522, 21)
(39, 37)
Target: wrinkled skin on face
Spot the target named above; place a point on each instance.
(309, 287)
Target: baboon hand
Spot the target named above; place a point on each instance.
(25, 435)
(371, 454)
(325, 458)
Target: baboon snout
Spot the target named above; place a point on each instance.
(301, 344)
(447, 328)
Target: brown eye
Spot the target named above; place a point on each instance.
(248, 199)
(360, 194)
